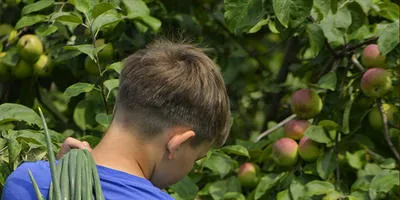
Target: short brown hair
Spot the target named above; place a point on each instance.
(174, 84)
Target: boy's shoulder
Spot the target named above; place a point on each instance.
(18, 184)
(115, 184)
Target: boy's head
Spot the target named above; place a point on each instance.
(173, 86)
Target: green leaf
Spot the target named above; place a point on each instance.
(136, 8)
(356, 160)
(78, 88)
(283, 195)
(100, 8)
(45, 30)
(267, 182)
(233, 196)
(15, 112)
(389, 38)
(241, 15)
(154, 23)
(383, 182)
(103, 119)
(80, 115)
(289, 11)
(111, 84)
(365, 5)
(317, 187)
(259, 25)
(342, 18)
(297, 190)
(14, 149)
(219, 188)
(328, 81)
(332, 34)
(388, 10)
(326, 164)
(117, 67)
(40, 5)
(388, 163)
(317, 133)
(236, 149)
(81, 5)
(12, 57)
(316, 38)
(83, 48)
(358, 17)
(66, 17)
(185, 188)
(29, 20)
(105, 19)
(323, 6)
(219, 163)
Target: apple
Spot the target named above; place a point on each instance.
(22, 70)
(295, 129)
(375, 118)
(42, 66)
(371, 57)
(106, 54)
(248, 175)
(285, 152)
(5, 72)
(376, 82)
(30, 48)
(308, 149)
(91, 66)
(306, 103)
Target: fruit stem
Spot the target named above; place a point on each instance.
(356, 63)
(282, 123)
(386, 130)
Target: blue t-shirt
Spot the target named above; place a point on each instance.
(115, 184)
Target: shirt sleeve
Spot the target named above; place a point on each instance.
(18, 186)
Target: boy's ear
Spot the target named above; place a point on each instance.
(177, 140)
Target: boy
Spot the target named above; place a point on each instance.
(171, 107)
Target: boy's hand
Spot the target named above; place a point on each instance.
(72, 143)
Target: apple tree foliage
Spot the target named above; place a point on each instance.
(266, 50)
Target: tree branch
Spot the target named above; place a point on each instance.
(282, 123)
(386, 131)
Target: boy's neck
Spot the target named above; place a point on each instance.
(121, 151)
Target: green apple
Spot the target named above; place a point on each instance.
(248, 175)
(22, 70)
(5, 71)
(285, 152)
(375, 118)
(30, 48)
(308, 149)
(91, 66)
(106, 54)
(42, 66)
(306, 103)
(376, 82)
(371, 57)
(295, 129)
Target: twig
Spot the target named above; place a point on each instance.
(337, 160)
(16, 36)
(386, 131)
(356, 63)
(101, 81)
(282, 123)
(331, 49)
